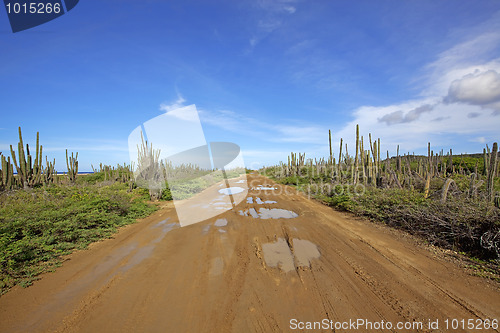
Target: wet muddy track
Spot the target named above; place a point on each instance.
(275, 257)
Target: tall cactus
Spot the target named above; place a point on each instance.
(72, 165)
(29, 174)
(7, 172)
(355, 175)
(330, 142)
(49, 172)
(492, 172)
(485, 162)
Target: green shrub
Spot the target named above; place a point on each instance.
(39, 225)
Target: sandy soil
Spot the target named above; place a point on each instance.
(250, 272)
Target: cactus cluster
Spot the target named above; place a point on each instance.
(121, 173)
(149, 171)
(29, 171)
(404, 170)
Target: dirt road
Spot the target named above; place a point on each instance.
(248, 271)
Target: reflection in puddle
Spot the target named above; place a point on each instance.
(261, 187)
(222, 231)
(259, 201)
(231, 190)
(220, 223)
(265, 213)
(161, 222)
(139, 256)
(165, 228)
(205, 229)
(276, 213)
(241, 181)
(278, 254)
(304, 251)
(216, 266)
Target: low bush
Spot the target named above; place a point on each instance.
(464, 225)
(39, 225)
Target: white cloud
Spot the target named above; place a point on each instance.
(398, 117)
(436, 126)
(179, 103)
(478, 88)
(455, 90)
(478, 51)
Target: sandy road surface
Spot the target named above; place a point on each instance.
(249, 275)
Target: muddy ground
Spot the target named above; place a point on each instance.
(273, 259)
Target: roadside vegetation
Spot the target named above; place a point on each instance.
(447, 200)
(45, 215)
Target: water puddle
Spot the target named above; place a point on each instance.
(165, 228)
(278, 254)
(259, 201)
(240, 181)
(265, 213)
(276, 213)
(222, 231)
(205, 229)
(161, 222)
(138, 257)
(264, 188)
(231, 190)
(304, 251)
(68, 294)
(254, 213)
(216, 266)
(221, 223)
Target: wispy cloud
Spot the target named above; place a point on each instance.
(459, 88)
(399, 117)
(178, 103)
(267, 132)
(271, 14)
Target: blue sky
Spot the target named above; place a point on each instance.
(271, 76)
